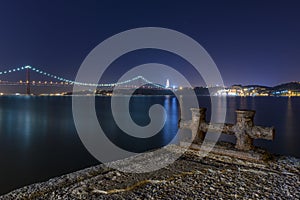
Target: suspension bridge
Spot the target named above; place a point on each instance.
(58, 81)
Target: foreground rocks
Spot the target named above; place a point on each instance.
(190, 177)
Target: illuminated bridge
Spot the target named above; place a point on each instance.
(58, 81)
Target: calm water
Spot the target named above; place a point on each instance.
(38, 139)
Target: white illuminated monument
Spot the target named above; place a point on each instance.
(168, 84)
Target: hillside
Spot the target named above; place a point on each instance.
(288, 86)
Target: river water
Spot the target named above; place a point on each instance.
(38, 139)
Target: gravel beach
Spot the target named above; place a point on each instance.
(190, 177)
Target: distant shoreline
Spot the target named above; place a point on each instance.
(136, 95)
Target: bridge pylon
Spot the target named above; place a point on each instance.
(28, 81)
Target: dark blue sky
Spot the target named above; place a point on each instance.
(252, 42)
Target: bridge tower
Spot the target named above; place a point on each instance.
(27, 81)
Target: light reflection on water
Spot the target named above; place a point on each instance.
(171, 107)
(289, 123)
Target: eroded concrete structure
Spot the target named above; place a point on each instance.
(244, 129)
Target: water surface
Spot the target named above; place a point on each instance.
(38, 139)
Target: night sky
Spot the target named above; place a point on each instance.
(252, 42)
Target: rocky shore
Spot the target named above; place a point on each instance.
(190, 177)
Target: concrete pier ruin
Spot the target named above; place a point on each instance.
(244, 130)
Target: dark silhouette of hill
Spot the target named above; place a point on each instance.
(288, 86)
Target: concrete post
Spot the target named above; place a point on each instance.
(243, 126)
(198, 117)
